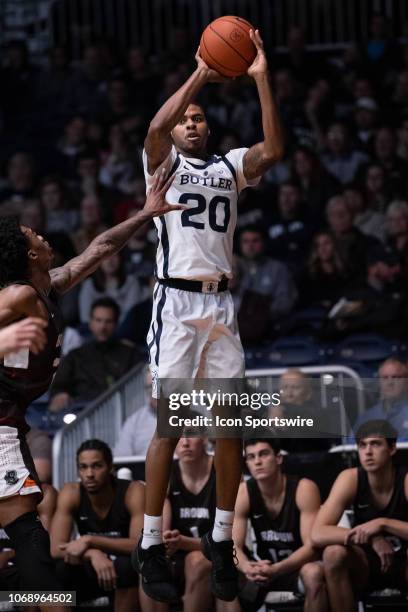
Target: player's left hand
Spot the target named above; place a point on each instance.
(211, 76)
(385, 552)
(75, 550)
(156, 204)
(362, 534)
(260, 64)
(172, 540)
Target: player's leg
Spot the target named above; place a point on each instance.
(126, 597)
(197, 593)
(148, 604)
(224, 360)
(312, 576)
(346, 571)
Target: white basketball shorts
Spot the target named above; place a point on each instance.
(17, 471)
(194, 335)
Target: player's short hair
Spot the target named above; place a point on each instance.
(14, 251)
(273, 442)
(98, 445)
(377, 427)
(107, 302)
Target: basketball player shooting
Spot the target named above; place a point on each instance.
(29, 292)
(193, 325)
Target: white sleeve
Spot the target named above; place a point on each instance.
(236, 158)
(167, 164)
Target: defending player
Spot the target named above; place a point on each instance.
(193, 325)
(30, 288)
(281, 510)
(373, 554)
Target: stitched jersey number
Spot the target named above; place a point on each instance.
(201, 202)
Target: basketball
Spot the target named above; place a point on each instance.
(226, 47)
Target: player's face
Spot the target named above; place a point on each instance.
(191, 133)
(262, 461)
(93, 471)
(374, 453)
(190, 449)
(39, 250)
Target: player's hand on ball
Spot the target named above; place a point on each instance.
(211, 76)
(260, 65)
(156, 203)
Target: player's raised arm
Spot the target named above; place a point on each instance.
(263, 155)
(110, 242)
(158, 141)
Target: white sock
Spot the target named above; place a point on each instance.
(223, 525)
(152, 531)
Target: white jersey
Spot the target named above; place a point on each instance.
(196, 243)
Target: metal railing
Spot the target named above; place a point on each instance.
(105, 416)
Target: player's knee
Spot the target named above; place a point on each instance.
(312, 576)
(334, 557)
(33, 558)
(196, 567)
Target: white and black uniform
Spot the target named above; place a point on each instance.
(193, 329)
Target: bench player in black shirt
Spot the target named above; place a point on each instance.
(108, 515)
(373, 553)
(188, 514)
(281, 509)
(29, 288)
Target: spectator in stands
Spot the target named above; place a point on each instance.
(188, 514)
(341, 160)
(365, 119)
(139, 252)
(267, 289)
(377, 193)
(117, 169)
(316, 184)
(393, 403)
(137, 431)
(140, 78)
(372, 554)
(88, 183)
(402, 146)
(69, 147)
(396, 169)
(289, 230)
(108, 515)
(60, 217)
(91, 224)
(326, 277)
(20, 179)
(110, 280)
(397, 234)
(84, 92)
(40, 445)
(88, 371)
(281, 510)
(365, 219)
(353, 246)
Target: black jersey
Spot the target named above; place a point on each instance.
(276, 538)
(20, 386)
(193, 515)
(365, 508)
(115, 524)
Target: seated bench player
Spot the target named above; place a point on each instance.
(372, 555)
(281, 510)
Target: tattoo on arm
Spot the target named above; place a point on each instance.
(255, 163)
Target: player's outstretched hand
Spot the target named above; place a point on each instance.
(260, 64)
(28, 333)
(156, 203)
(212, 76)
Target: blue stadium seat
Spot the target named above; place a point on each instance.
(291, 351)
(366, 348)
(311, 317)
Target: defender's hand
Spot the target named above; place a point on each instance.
(260, 65)
(156, 203)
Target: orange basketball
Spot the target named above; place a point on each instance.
(226, 46)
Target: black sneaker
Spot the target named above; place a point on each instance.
(155, 571)
(224, 574)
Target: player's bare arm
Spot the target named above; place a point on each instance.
(158, 141)
(113, 240)
(17, 301)
(46, 509)
(325, 530)
(263, 155)
(25, 334)
(62, 522)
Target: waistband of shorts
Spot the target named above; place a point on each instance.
(195, 286)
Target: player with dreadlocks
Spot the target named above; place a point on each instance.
(29, 288)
